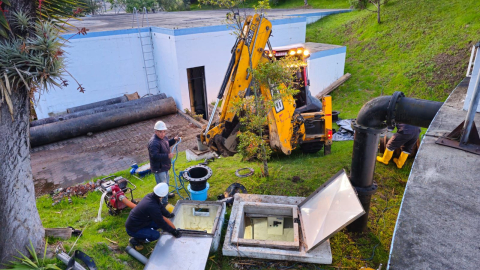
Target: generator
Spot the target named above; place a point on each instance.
(116, 190)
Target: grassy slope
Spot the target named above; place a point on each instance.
(421, 48)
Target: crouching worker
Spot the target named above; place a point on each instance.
(149, 216)
(405, 139)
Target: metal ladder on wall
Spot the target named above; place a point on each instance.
(146, 43)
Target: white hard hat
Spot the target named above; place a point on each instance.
(160, 125)
(161, 190)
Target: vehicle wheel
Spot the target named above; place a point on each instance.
(311, 148)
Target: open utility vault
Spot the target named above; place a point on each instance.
(204, 220)
(292, 228)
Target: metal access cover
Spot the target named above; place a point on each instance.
(186, 253)
(329, 209)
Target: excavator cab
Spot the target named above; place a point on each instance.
(315, 114)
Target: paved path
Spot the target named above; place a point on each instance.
(76, 160)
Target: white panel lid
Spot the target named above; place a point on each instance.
(329, 209)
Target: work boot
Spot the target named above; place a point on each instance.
(401, 160)
(136, 243)
(387, 155)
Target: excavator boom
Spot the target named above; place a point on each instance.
(288, 126)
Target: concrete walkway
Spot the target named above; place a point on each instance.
(80, 159)
(438, 226)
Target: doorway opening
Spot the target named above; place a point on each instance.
(198, 91)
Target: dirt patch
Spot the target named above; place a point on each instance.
(448, 68)
(451, 67)
(296, 179)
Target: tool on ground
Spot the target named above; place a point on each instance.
(178, 178)
(250, 172)
(141, 171)
(115, 191)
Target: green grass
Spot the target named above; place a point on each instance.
(313, 170)
(284, 4)
(312, 4)
(421, 48)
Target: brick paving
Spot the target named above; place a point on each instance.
(80, 159)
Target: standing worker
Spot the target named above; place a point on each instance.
(405, 139)
(160, 156)
(148, 216)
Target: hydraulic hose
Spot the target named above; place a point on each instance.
(178, 177)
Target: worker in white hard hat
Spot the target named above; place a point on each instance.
(160, 155)
(148, 216)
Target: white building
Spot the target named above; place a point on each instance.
(177, 49)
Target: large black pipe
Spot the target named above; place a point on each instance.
(135, 112)
(98, 104)
(95, 110)
(373, 119)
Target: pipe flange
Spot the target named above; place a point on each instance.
(391, 107)
(186, 174)
(251, 171)
(366, 191)
(358, 127)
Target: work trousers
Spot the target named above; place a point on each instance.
(147, 234)
(403, 141)
(162, 177)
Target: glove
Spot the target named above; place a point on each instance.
(171, 215)
(176, 233)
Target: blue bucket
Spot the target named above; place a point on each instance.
(199, 195)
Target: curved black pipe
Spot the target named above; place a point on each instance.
(374, 113)
(96, 110)
(373, 119)
(416, 112)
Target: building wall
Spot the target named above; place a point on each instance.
(166, 64)
(107, 66)
(211, 46)
(110, 64)
(325, 67)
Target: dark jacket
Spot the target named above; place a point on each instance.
(148, 209)
(158, 150)
(408, 129)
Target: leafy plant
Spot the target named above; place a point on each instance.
(25, 262)
(270, 78)
(58, 12)
(195, 116)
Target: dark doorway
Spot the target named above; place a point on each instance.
(198, 91)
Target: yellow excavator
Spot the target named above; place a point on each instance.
(295, 121)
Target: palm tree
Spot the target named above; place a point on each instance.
(31, 61)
